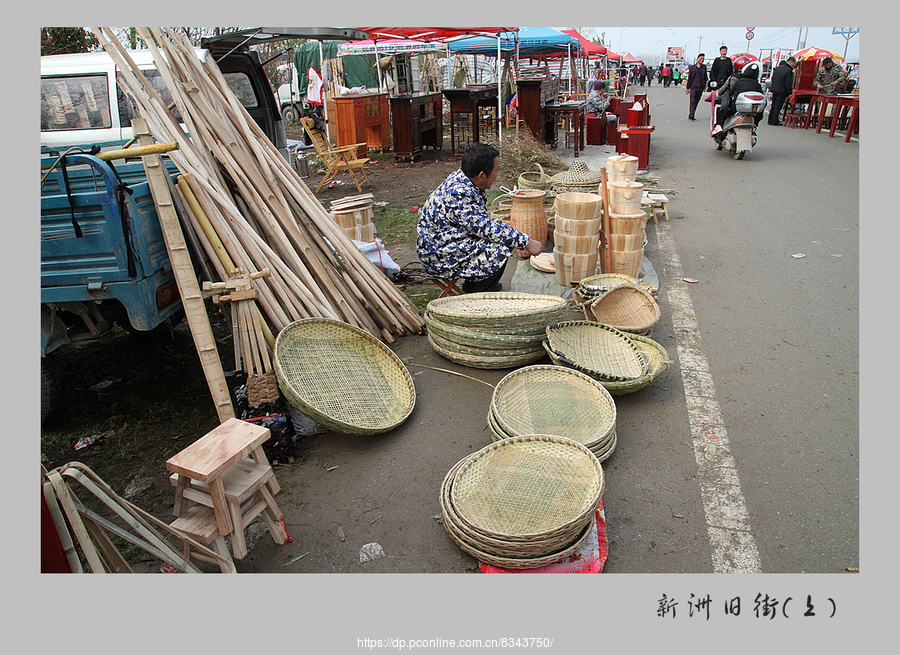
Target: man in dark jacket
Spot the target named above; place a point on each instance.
(696, 83)
(722, 68)
(782, 85)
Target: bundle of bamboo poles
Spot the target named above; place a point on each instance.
(247, 207)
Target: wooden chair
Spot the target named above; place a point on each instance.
(335, 159)
(447, 286)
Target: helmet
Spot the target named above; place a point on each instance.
(751, 70)
(740, 62)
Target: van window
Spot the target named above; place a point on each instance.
(126, 112)
(242, 87)
(78, 102)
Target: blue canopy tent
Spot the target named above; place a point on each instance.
(531, 41)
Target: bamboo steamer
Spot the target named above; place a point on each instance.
(361, 232)
(353, 217)
(571, 268)
(627, 223)
(577, 228)
(624, 262)
(625, 197)
(621, 168)
(527, 214)
(626, 241)
(576, 245)
(579, 206)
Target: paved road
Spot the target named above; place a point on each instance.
(743, 457)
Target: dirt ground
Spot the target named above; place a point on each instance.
(140, 400)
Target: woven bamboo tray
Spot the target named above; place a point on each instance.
(658, 362)
(601, 351)
(626, 307)
(545, 399)
(476, 351)
(601, 450)
(487, 361)
(497, 309)
(342, 377)
(487, 335)
(527, 487)
(493, 547)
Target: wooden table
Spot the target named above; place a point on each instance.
(824, 99)
(466, 105)
(846, 102)
(214, 453)
(572, 111)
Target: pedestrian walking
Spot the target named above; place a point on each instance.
(666, 76)
(722, 68)
(642, 72)
(696, 84)
(676, 76)
(782, 85)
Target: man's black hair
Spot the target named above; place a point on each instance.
(479, 158)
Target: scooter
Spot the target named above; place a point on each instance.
(738, 133)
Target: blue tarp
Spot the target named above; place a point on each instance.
(532, 41)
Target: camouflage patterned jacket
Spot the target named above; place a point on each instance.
(456, 236)
(829, 79)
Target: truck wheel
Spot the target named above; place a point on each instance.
(289, 114)
(51, 387)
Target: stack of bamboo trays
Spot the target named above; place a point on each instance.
(523, 502)
(492, 330)
(248, 207)
(354, 214)
(545, 399)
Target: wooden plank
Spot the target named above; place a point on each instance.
(183, 267)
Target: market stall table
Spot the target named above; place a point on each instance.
(466, 106)
(573, 111)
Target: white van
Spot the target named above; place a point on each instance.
(81, 104)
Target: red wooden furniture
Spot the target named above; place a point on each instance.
(574, 113)
(417, 122)
(365, 119)
(846, 115)
(466, 107)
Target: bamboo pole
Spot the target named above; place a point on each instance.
(195, 308)
(607, 254)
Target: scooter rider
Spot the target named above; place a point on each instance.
(746, 80)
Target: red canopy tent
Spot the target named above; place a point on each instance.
(593, 50)
(630, 59)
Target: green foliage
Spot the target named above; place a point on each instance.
(63, 40)
(395, 224)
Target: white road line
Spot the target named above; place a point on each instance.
(727, 520)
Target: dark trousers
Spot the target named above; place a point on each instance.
(696, 93)
(477, 285)
(775, 109)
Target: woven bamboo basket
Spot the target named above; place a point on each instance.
(627, 307)
(534, 178)
(598, 350)
(591, 287)
(658, 363)
(528, 488)
(500, 208)
(545, 399)
(487, 361)
(497, 309)
(342, 377)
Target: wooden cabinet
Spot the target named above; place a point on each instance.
(417, 122)
(471, 108)
(363, 118)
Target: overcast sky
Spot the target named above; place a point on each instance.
(651, 42)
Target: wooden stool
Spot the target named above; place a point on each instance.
(657, 200)
(204, 467)
(199, 523)
(243, 482)
(448, 287)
